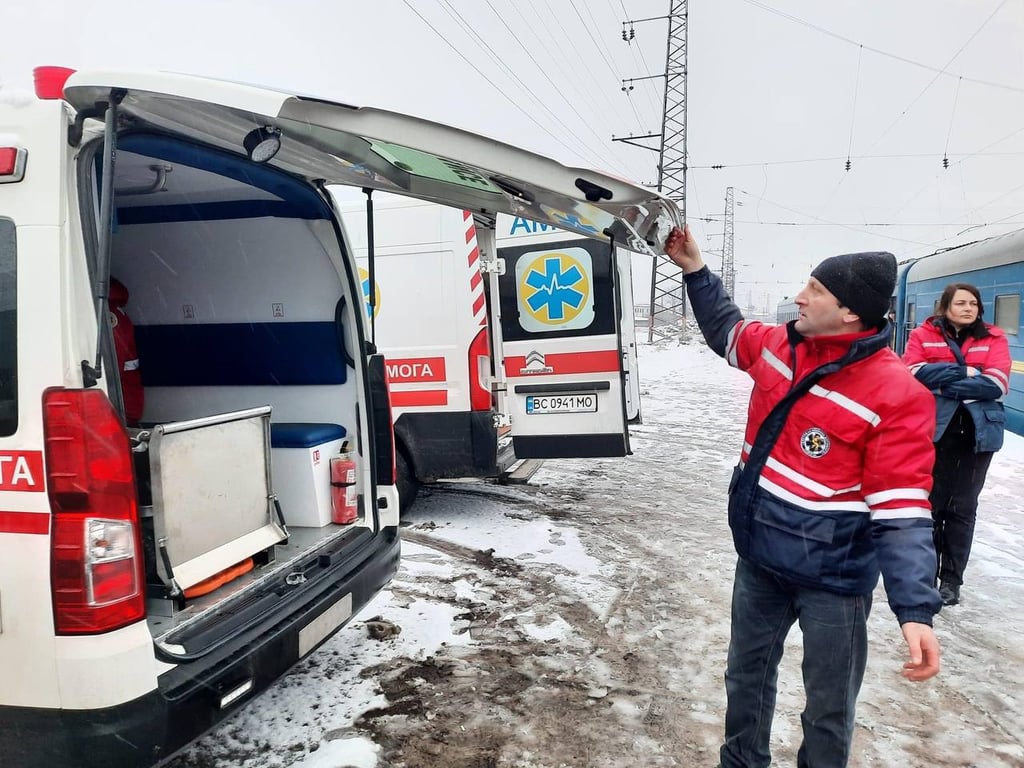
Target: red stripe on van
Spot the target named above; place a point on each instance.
(419, 397)
(602, 361)
(24, 522)
(478, 304)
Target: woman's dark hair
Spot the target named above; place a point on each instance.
(977, 328)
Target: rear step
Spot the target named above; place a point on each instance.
(520, 472)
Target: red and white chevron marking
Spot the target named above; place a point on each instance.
(476, 281)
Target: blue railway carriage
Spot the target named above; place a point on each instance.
(996, 267)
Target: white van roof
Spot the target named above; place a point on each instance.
(362, 146)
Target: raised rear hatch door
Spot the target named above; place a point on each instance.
(335, 143)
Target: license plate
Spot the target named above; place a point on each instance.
(585, 403)
(311, 635)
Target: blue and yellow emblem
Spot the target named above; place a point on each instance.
(364, 284)
(554, 289)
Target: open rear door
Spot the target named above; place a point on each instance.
(564, 353)
(331, 143)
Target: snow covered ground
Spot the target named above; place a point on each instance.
(583, 619)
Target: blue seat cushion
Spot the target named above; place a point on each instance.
(294, 434)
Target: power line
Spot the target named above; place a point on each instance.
(940, 73)
(496, 87)
(853, 122)
(567, 37)
(949, 133)
(529, 91)
(981, 151)
(993, 200)
(598, 46)
(643, 66)
(924, 90)
(851, 227)
(934, 246)
(853, 112)
(880, 52)
(574, 77)
(869, 223)
(691, 181)
(481, 43)
(834, 158)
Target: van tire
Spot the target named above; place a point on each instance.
(408, 485)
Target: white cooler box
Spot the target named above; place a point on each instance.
(301, 469)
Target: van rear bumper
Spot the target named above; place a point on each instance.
(150, 729)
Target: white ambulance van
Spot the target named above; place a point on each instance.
(167, 543)
(436, 300)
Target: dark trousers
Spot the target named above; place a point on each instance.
(834, 627)
(957, 480)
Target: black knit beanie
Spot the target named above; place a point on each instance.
(863, 282)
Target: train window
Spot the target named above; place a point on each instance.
(1007, 313)
(912, 315)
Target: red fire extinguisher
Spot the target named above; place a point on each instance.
(343, 486)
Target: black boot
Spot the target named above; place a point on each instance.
(949, 592)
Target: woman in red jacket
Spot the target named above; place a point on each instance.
(965, 362)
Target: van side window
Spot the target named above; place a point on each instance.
(8, 328)
(557, 290)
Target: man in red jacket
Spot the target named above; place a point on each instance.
(832, 489)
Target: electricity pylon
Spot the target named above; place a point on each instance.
(728, 261)
(667, 316)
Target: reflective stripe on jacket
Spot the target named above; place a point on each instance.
(934, 364)
(835, 491)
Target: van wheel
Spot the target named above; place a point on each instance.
(407, 483)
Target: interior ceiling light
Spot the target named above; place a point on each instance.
(261, 144)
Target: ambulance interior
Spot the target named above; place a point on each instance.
(237, 293)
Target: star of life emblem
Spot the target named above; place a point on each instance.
(815, 443)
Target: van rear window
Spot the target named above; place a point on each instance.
(8, 328)
(557, 290)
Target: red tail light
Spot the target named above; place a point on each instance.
(12, 164)
(96, 567)
(480, 372)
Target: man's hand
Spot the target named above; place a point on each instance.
(682, 249)
(924, 652)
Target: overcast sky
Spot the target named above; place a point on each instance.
(780, 93)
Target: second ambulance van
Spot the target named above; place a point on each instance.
(457, 303)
